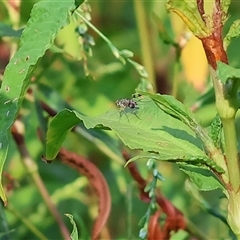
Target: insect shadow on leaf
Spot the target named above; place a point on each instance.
(127, 106)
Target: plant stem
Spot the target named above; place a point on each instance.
(175, 86)
(32, 169)
(231, 150)
(227, 108)
(145, 38)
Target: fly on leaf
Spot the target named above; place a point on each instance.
(127, 106)
(126, 103)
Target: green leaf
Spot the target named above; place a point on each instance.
(226, 72)
(171, 106)
(188, 11)
(176, 109)
(233, 32)
(74, 234)
(99, 138)
(60, 125)
(147, 128)
(47, 18)
(229, 76)
(63, 122)
(7, 31)
(203, 177)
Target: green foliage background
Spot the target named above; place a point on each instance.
(60, 79)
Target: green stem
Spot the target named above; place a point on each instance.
(175, 86)
(145, 40)
(231, 151)
(227, 107)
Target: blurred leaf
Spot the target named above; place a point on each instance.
(74, 234)
(7, 31)
(46, 20)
